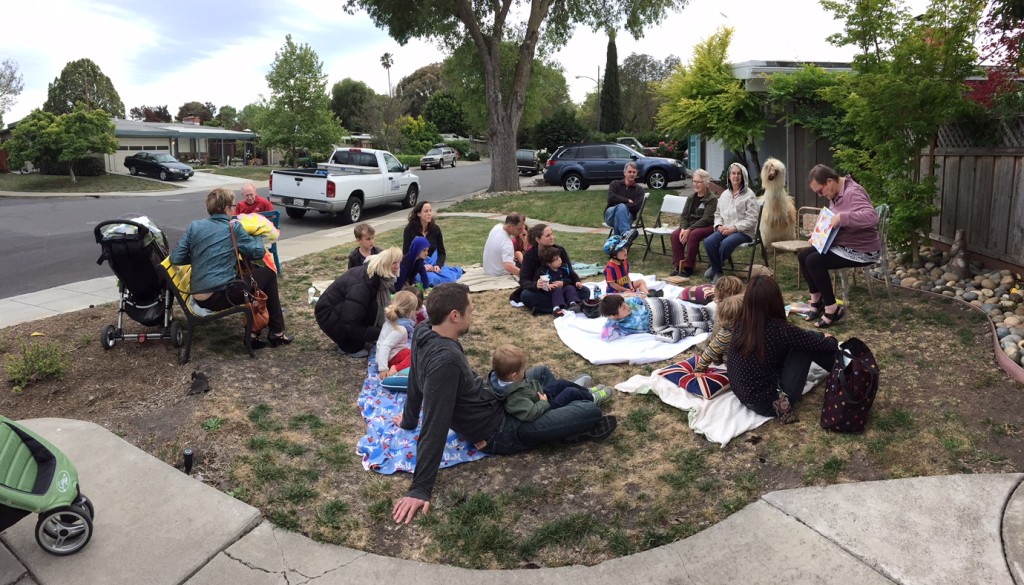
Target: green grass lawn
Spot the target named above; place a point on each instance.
(251, 173)
(110, 183)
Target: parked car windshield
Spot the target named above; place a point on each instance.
(164, 158)
(434, 151)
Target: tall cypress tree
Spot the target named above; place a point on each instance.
(611, 93)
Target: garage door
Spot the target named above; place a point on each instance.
(129, 146)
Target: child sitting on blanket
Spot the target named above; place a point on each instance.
(413, 265)
(668, 319)
(703, 294)
(365, 235)
(563, 282)
(616, 272)
(393, 353)
(727, 314)
(421, 311)
(525, 398)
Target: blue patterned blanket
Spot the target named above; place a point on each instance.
(387, 448)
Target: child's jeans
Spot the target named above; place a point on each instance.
(564, 295)
(562, 392)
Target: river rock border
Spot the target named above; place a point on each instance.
(997, 294)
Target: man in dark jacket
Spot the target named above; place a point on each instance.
(624, 200)
(457, 398)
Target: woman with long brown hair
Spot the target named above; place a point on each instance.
(532, 291)
(769, 358)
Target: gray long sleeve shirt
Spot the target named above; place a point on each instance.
(452, 396)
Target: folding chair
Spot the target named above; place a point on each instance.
(752, 246)
(806, 218)
(275, 218)
(884, 213)
(671, 206)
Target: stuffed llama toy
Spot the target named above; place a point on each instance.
(779, 216)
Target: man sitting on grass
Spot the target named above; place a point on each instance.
(457, 398)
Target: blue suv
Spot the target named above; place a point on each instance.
(577, 166)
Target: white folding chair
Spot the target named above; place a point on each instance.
(671, 207)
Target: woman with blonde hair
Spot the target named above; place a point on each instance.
(351, 310)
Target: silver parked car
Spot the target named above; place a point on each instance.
(438, 157)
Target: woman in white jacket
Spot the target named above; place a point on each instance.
(393, 353)
(735, 220)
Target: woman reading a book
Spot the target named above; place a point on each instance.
(856, 242)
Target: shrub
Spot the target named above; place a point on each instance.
(461, 146)
(413, 160)
(37, 362)
(473, 155)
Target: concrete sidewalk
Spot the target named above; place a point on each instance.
(155, 525)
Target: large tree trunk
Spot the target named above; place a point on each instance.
(504, 172)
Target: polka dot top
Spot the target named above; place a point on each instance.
(755, 381)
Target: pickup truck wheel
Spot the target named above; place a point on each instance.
(656, 179)
(573, 182)
(353, 211)
(411, 197)
(295, 212)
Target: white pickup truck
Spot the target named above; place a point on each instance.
(353, 179)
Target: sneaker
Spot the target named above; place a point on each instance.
(602, 393)
(574, 307)
(631, 237)
(585, 380)
(675, 273)
(709, 273)
(656, 293)
(557, 312)
(601, 430)
(359, 354)
(716, 277)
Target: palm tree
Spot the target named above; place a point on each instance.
(386, 60)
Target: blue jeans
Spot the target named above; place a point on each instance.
(619, 218)
(719, 248)
(541, 299)
(516, 436)
(564, 392)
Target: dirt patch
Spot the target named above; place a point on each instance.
(280, 432)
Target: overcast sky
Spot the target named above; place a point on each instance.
(192, 50)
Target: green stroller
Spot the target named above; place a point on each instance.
(35, 477)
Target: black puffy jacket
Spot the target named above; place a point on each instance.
(347, 310)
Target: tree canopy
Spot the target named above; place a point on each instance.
(82, 81)
(11, 84)
(298, 112)
(702, 97)
(204, 111)
(445, 112)
(150, 114)
(639, 78)
(349, 99)
(44, 138)
(487, 25)
(417, 87)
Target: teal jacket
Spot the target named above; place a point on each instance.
(206, 245)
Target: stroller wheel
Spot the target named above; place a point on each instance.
(107, 336)
(177, 333)
(85, 501)
(64, 531)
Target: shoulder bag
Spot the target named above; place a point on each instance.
(255, 297)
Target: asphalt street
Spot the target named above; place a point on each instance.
(49, 242)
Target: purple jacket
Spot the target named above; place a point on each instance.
(858, 221)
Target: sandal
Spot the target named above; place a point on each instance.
(819, 309)
(829, 319)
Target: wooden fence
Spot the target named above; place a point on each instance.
(981, 190)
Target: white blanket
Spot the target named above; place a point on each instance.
(721, 419)
(583, 336)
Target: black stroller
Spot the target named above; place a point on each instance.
(134, 246)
